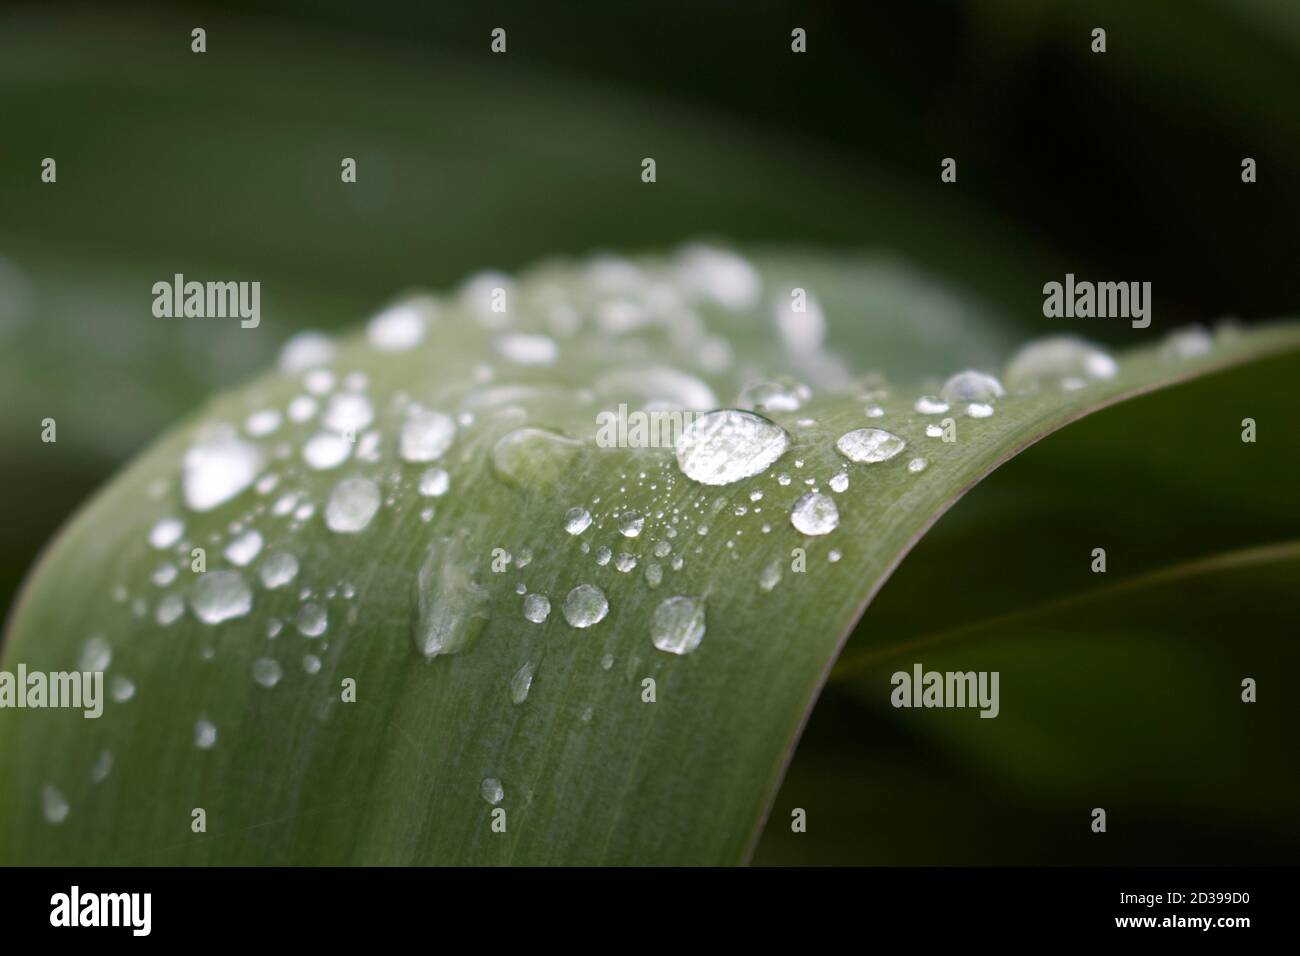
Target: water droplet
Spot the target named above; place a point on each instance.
(169, 609)
(164, 575)
(773, 396)
(531, 458)
(603, 554)
(396, 329)
(305, 350)
(815, 514)
(219, 467)
(262, 422)
(929, 405)
(933, 431)
(312, 620)
(606, 662)
(244, 548)
(219, 596)
(302, 408)
(917, 464)
(492, 791)
(123, 689)
(585, 605)
(205, 734)
(654, 575)
(979, 410)
(677, 625)
(658, 387)
(972, 386)
(425, 435)
(166, 533)
(434, 483)
(102, 767)
(577, 520)
(351, 505)
(451, 607)
(725, 446)
(521, 684)
(630, 524)
(625, 562)
(348, 412)
(1188, 342)
(1056, 360)
(96, 654)
(54, 806)
(527, 349)
(869, 445)
(839, 483)
(834, 555)
(311, 664)
(770, 576)
(267, 671)
(537, 608)
(278, 569)
(874, 411)
(326, 450)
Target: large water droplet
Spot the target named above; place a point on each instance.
(426, 435)
(219, 596)
(585, 605)
(219, 467)
(815, 513)
(725, 446)
(869, 445)
(451, 607)
(351, 505)
(677, 625)
(533, 458)
(1055, 360)
(972, 386)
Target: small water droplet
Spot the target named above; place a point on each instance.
(312, 620)
(929, 405)
(603, 554)
(434, 483)
(917, 464)
(815, 514)
(677, 625)
(630, 524)
(220, 596)
(278, 569)
(122, 689)
(425, 435)
(218, 467)
(869, 445)
(54, 806)
(933, 431)
(972, 386)
(839, 482)
(102, 767)
(524, 348)
(585, 605)
(267, 671)
(243, 549)
(170, 608)
(397, 328)
(166, 533)
(537, 608)
(723, 447)
(1058, 359)
(625, 562)
(96, 654)
(205, 734)
(491, 790)
(1191, 341)
(351, 505)
(451, 607)
(521, 683)
(979, 410)
(770, 576)
(873, 411)
(326, 450)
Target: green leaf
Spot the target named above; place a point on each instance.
(589, 771)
